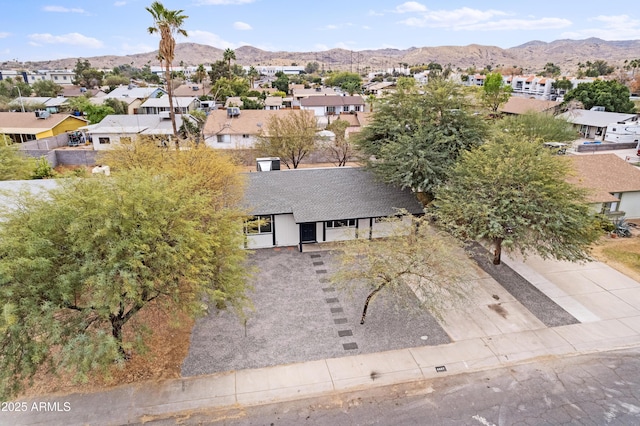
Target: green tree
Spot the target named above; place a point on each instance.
(78, 265)
(281, 82)
(13, 88)
(563, 84)
(119, 107)
(312, 67)
(46, 88)
(13, 164)
(253, 75)
(495, 92)
(413, 260)
(613, 96)
(114, 81)
(291, 137)
(514, 194)
(538, 127)
(229, 55)
(92, 112)
(551, 70)
(168, 23)
(86, 75)
(248, 103)
(415, 137)
(598, 68)
(344, 80)
(218, 71)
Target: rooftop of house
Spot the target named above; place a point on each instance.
(155, 124)
(249, 122)
(596, 118)
(273, 101)
(163, 102)
(133, 92)
(518, 105)
(315, 195)
(323, 91)
(315, 101)
(604, 174)
(28, 123)
(75, 91)
(191, 89)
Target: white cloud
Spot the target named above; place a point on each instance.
(374, 13)
(319, 46)
(452, 18)
(119, 3)
(4, 35)
(517, 24)
(223, 2)
(410, 6)
(366, 27)
(205, 37)
(612, 27)
(243, 26)
(63, 9)
(74, 39)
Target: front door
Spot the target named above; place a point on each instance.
(308, 232)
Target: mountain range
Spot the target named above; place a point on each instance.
(531, 56)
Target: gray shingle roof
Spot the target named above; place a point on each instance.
(315, 195)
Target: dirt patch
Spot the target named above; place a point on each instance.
(620, 253)
(167, 347)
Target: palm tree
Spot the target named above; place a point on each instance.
(200, 75)
(167, 23)
(253, 74)
(228, 55)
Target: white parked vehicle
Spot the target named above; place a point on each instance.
(623, 132)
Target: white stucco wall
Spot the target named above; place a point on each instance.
(259, 241)
(287, 230)
(630, 204)
(230, 142)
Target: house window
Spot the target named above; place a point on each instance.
(346, 223)
(356, 108)
(245, 136)
(331, 110)
(104, 140)
(258, 225)
(64, 77)
(55, 77)
(345, 108)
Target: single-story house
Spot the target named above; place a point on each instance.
(76, 91)
(593, 124)
(613, 184)
(29, 126)
(181, 105)
(114, 128)
(53, 105)
(331, 105)
(238, 129)
(306, 206)
(134, 96)
(517, 105)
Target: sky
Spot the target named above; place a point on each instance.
(36, 30)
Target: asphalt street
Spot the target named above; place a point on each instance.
(595, 389)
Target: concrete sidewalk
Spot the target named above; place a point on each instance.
(607, 303)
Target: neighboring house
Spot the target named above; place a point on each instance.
(192, 89)
(132, 95)
(274, 103)
(306, 206)
(181, 105)
(53, 105)
(613, 184)
(332, 105)
(517, 106)
(476, 80)
(76, 91)
(297, 94)
(380, 88)
(234, 128)
(593, 124)
(29, 126)
(114, 129)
